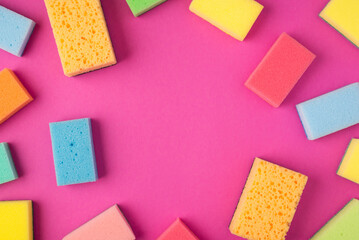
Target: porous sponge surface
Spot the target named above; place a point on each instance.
(349, 167)
(343, 15)
(280, 70)
(178, 230)
(15, 31)
(234, 17)
(343, 226)
(73, 151)
(7, 168)
(13, 95)
(139, 7)
(16, 220)
(330, 112)
(81, 35)
(109, 225)
(268, 202)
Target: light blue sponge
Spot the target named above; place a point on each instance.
(330, 112)
(7, 168)
(15, 31)
(73, 151)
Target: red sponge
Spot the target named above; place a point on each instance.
(280, 70)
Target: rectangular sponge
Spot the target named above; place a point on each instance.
(330, 112)
(280, 70)
(139, 7)
(349, 167)
(234, 17)
(109, 225)
(15, 31)
(7, 168)
(178, 230)
(73, 151)
(343, 226)
(81, 35)
(16, 220)
(268, 202)
(13, 95)
(343, 15)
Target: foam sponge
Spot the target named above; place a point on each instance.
(139, 7)
(330, 112)
(7, 168)
(109, 225)
(177, 231)
(280, 70)
(73, 151)
(81, 35)
(349, 167)
(268, 202)
(16, 220)
(13, 95)
(343, 226)
(15, 31)
(234, 17)
(343, 15)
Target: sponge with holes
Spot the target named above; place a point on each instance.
(15, 31)
(178, 230)
(139, 7)
(81, 35)
(73, 151)
(343, 226)
(7, 169)
(268, 202)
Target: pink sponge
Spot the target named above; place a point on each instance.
(178, 231)
(280, 70)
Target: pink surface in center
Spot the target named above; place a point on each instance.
(175, 129)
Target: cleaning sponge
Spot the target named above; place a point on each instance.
(343, 15)
(330, 112)
(349, 167)
(7, 168)
(15, 31)
(234, 17)
(13, 95)
(268, 202)
(280, 70)
(81, 35)
(16, 220)
(343, 226)
(73, 151)
(109, 225)
(139, 7)
(177, 231)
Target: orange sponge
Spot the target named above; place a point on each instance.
(13, 95)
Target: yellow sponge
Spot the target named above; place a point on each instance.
(343, 15)
(234, 17)
(16, 220)
(81, 35)
(268, 202)
(349, 167)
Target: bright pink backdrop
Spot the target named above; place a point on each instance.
(175, 130)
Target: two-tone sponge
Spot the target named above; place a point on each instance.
(139, 7)
(349, 166)
(177, 231)
(7, 169)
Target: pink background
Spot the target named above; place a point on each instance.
(175, 130)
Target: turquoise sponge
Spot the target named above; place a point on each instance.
(73, 151)
(7, 168)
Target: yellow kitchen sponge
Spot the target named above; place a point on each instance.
(268, 202)
(349, 167)
(81, 35)
(343, 15)
(16, 220)
(234, 17)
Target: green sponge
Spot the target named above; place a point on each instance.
(139, 7)
(343, 226)
(7, 168)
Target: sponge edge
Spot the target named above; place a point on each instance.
(178, 230)
(15, 31)
(349, 167)
(139, 7)
(7, 169)
(109, 225)
(234, 17)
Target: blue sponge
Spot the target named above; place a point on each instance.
(7, 168)
(15, 31)
(73, 151)
(330, 112)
